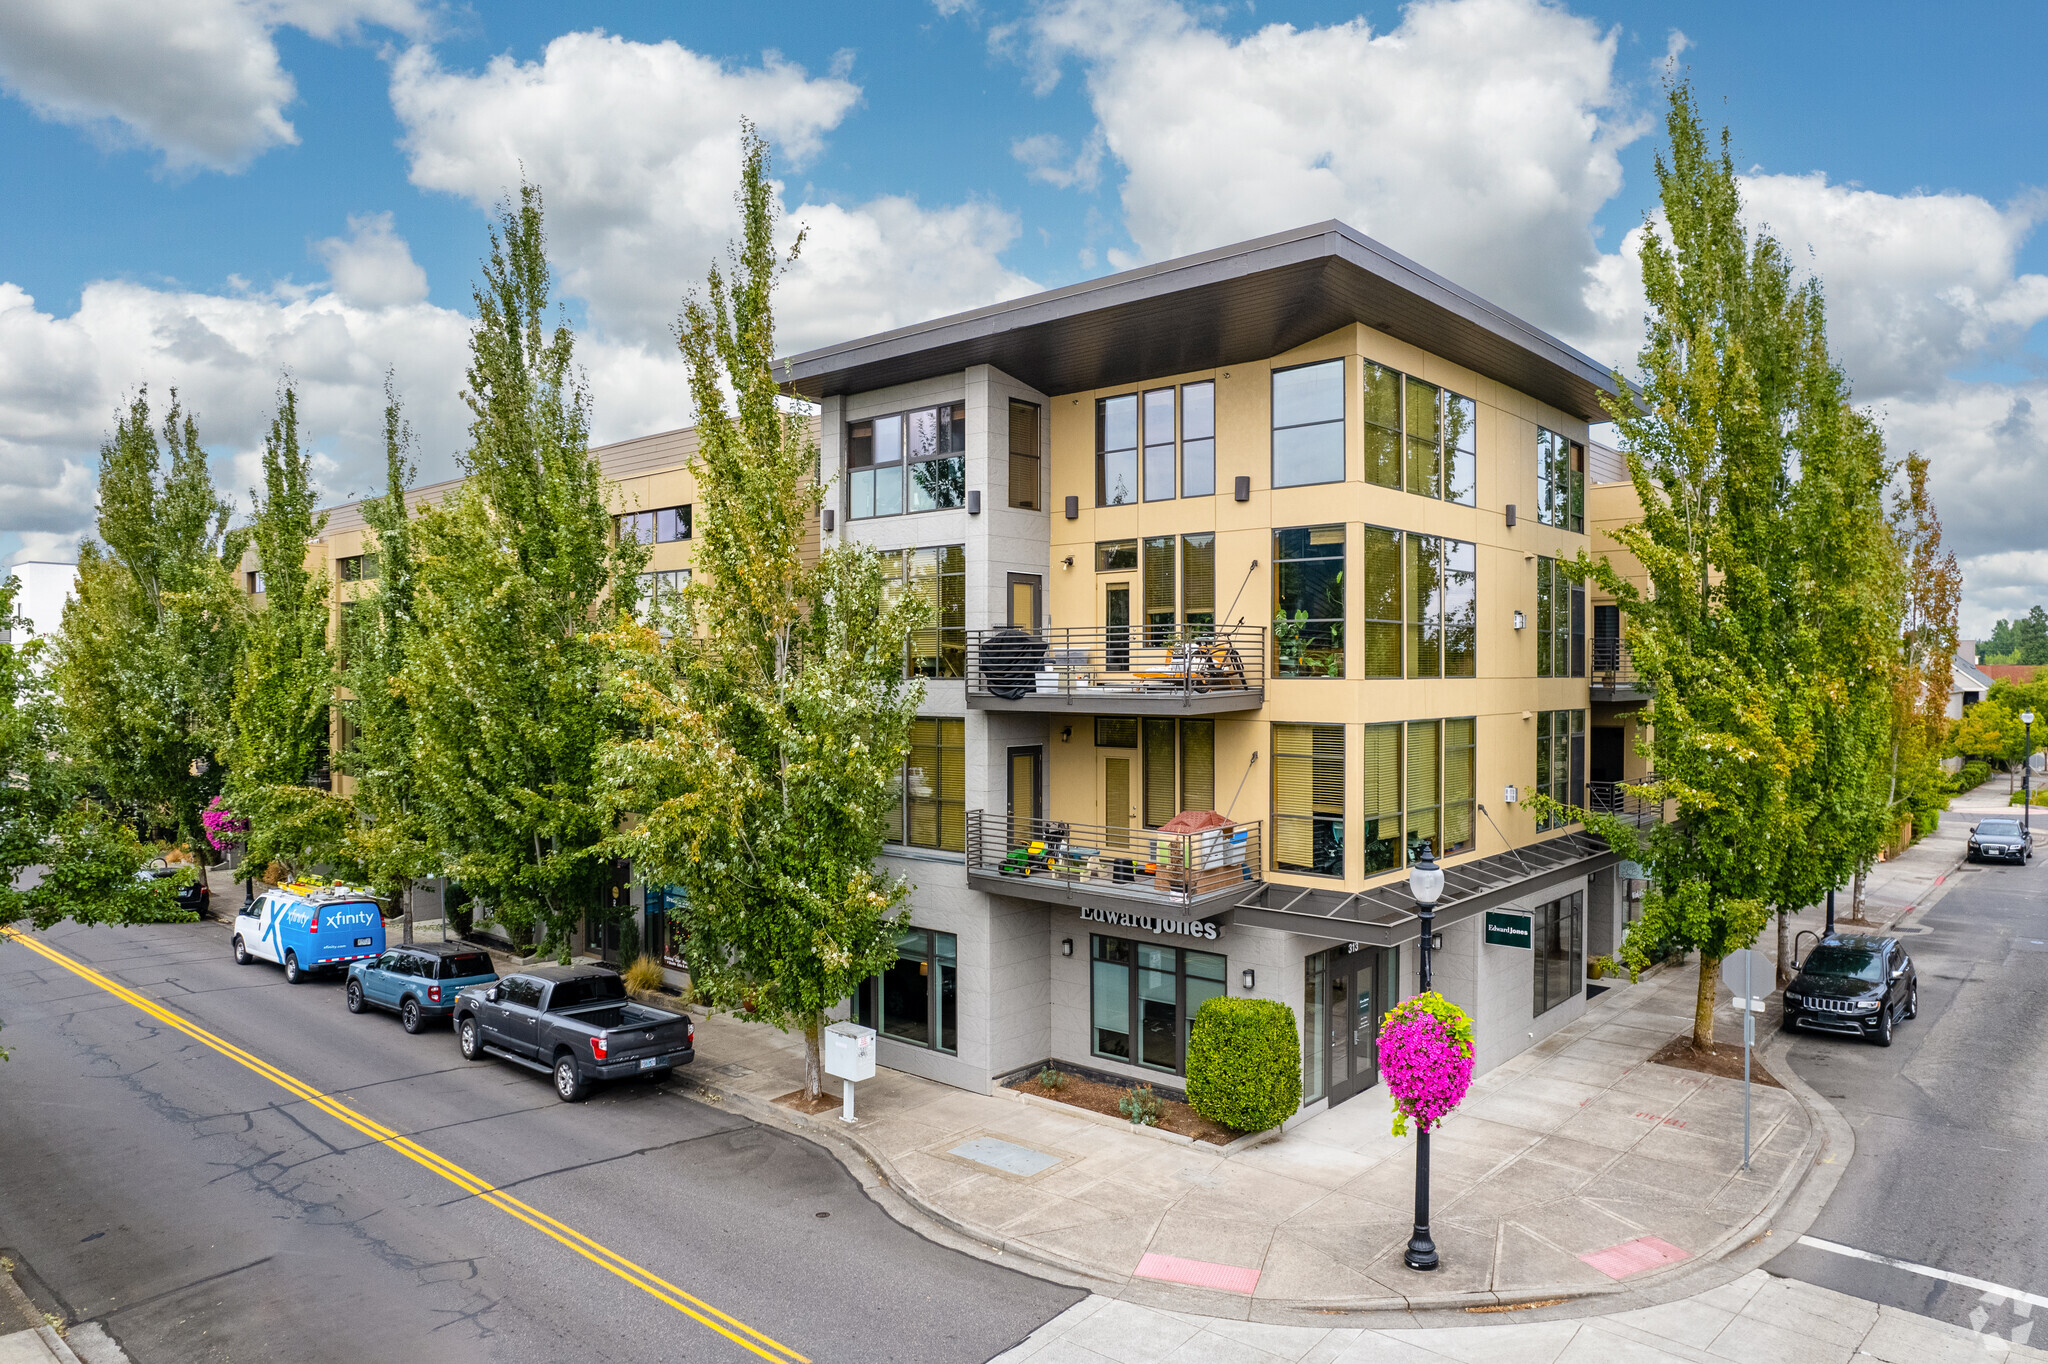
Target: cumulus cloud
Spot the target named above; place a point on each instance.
(199, 80)
(1048, 159)
(636, 147)
(372, 267)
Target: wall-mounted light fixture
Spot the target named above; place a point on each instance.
(1248, 978)
(1067, 734)
(1511, 793)
(1073, 509)
(1068, 561)
(1521, 621)
(1066, 947)
(1243, 488)
(1436, 942)
(828, 519)
(1511, 515)
(974, 502)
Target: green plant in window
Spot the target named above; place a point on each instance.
(1287, 641)
(1141, 1106)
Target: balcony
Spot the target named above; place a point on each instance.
(1621, 800)
(1118, 669)
(1093, 864)
(1612, 678)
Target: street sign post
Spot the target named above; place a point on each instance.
(1740, 972)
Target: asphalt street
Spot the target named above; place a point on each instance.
(204, 1212)
(1951, 1163)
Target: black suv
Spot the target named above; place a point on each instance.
(2005, 839)
(1856, 984)
(194, 896)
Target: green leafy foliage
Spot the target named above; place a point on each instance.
(2024, 640)
(772, 725)
(1244, 1063)
(92, 879)
(38, 790)
(1141, 1107)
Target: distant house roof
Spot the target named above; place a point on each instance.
(2009, 672)
(1229, 306)
(1969, 677)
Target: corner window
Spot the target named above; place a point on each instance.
(1116, 450)
(917, 1000)
(1557, 933)
(1308, 799)
(1420, 782)
(915, 461)
(1308, 424)
(1144, 997)
(1023, 455)
(660, 526)
(931, 808)
(1560, 481)
(939, 575)
(1308, 602)
(1419, 437)
(1561, 760)
(1442, 606)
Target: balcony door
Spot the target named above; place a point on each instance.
(1026, 807)
(1117, 808)
(1025, 590)
(1116, 618)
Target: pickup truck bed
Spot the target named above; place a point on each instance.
(574, 1023)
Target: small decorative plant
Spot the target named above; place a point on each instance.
(222, 825)
(1052, 1079)
(1426, 1060)
(644, 975)
(1141, 1106)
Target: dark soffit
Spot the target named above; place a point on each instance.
(1224, 307)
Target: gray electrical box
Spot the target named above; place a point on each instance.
(850, 1051)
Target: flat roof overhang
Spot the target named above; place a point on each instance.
(1385, 916)
(1230, 306)
(1095, 894)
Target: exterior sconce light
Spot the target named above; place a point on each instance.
(1248, 978)
(1073, 509)
(1521, 621)
(1067, 734)
(1511, 793)
(1511, 515)
(974, 503)
(828, 519)
(1242, 489)
(1066, 947)
(1068, 561)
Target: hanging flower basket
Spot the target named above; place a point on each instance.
(1426, 1060)
(223, 826)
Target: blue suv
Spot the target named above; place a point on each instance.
(418, 981)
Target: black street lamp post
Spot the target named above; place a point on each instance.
(1426, 884)
(2027, 781)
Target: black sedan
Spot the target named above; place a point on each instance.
(1854, 984)
(194, 895)
(2003, 840)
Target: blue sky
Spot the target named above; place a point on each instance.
(171, 229)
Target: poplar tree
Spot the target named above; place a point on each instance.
(776, 719)
(503, 680)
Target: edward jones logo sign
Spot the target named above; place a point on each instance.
(1193, 928)
(1507, 930)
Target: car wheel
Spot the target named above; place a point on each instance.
(409, 1015)
(1913, 1000)
(242, 957)
(292, 974)
(1883, 1035)
(569, 1086)
(467, 1039)
(355, 996)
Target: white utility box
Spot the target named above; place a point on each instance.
(850, 1055)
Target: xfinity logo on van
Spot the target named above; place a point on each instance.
(362, 914)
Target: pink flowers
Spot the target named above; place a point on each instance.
(223, 826)
(1426, 1059)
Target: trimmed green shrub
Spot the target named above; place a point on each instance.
(629, 938)
(1244, 1063)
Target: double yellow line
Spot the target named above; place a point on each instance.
(640, 1277)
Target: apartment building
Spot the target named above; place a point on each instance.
(1247, 576)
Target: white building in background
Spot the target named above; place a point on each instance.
(45, 587)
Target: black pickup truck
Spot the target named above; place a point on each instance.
(573, 1021)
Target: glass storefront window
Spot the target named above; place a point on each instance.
(1159, 987)
(917, 999)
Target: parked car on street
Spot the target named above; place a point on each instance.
(575, 1023)
(1855, 984)
(307, 928)
(418, 981)
(2002, 839)
(195, 895)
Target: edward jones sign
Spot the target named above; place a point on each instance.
(1193, 928)
(1507, 930)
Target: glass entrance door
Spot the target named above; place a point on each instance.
(1116, 620)
(1354, 1022)
(1025, 810)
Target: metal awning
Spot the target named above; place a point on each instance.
(1385, 915)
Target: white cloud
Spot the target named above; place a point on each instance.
(199, 80)
(636, 148)
(1049, 160)
(372, 267)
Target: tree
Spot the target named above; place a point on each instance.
(284, 687)
(503, 680)
(776, 718)
(2019, 641)
(145, 664)
(36, 789)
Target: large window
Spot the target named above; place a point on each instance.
(1461, 783)
(1023, 455)
(1561, 760)
(1442, 601)
(917, 999)
(1144, 997)
(1560, 621)
(1379, 815)
(1308, 424)
(1308, 799)
(1116, 450)
(1159, 452)
(1198, 578)
(659, 526)
(356, 568)
(915, 461)
(1419, 783)
(659, 595)
(1419, 437)
(939, 575)
(1198, 440)
(1179, 762)
(1162, 589)
(1558, 935)
(1560, 481)
(1308, 602)
(931, 809)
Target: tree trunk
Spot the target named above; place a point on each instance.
(1784, 972)
(1856, 900)
(814, 1066)
(1703, 1004)
(405, 899)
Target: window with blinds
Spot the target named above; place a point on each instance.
(1461, 789)
(1380, 565)
(939, 575)
(1024, 455)
(1159, 589)
(1308, 799)
(1198, 764)
(1425, 786)
(1160, 786)
(1179, 761)
(1379, 813)
(1198, 578)
(932, 801)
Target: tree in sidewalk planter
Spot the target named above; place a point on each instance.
(774, 722)
(503, 677)
(1244, 1063)
(1426, 1058)
(145, 664)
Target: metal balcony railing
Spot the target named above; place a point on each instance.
(1219, 666)
(1058, 859)
(1613, 671)
(1621, 799)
